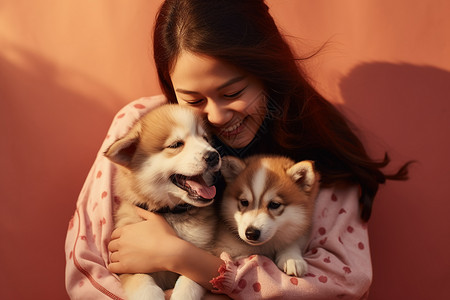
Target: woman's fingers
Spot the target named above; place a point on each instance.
(115, 265)
(114, 268)
(145, 214)
(116, 233)
(114, 257)
(113, 245)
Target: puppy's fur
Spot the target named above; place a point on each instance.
(267, 209)
(166, 165)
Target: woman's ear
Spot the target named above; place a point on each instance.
(231, 168)
(122, 151)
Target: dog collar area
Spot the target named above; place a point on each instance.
(179, 209)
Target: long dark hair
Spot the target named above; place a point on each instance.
(304, 124)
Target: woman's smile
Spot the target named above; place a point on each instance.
(233, 130)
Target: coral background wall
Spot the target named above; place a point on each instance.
(66, 67)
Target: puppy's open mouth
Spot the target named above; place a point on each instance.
(195, 186)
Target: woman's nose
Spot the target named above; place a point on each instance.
(217, 113)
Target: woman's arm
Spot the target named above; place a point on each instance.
(152, 245)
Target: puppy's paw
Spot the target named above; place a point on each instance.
(141, 287)
(146, 292)
(187, 289)
(292, 265)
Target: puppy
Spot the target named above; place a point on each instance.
(166, 165)
(267, 209)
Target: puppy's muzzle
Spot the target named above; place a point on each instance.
(212, 159)
(252, 233)
(213, 162)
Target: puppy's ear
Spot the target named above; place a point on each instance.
(303, 174)
(122, 151)
(231, 168)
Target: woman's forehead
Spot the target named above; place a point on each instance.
(192, 69)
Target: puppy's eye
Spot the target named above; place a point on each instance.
(176, 145)
(273, 205)
(205, 137)
(243, 202)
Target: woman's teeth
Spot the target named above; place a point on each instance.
(232, 128)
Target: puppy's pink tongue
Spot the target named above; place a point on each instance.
(202, 190)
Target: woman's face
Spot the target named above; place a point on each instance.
(232, 102)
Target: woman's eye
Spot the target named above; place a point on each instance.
(234, 95)
(193, 102)
(273, 205)
(176, 145)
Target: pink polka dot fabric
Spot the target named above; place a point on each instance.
(339, 265)
(337, 254)
(90, 228)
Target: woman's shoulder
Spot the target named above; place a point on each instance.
(128, 115)
(339, 198)
(342, 190)
(139, 107)
(337, 206)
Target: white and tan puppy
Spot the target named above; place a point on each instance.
(267, 209)
(166, 165)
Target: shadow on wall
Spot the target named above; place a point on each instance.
(408, 107)
(50, 134)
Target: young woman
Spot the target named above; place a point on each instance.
(227, 59)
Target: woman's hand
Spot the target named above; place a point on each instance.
(144, 247)
(152, 245)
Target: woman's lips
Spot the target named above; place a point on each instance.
(232, 130)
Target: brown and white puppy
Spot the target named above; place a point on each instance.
(267, 209)
(166, 165)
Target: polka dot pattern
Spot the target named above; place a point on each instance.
(257, 287)
(139, 106)
(361, 246)
(294, 281)
(242, 284)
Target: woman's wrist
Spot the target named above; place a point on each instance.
(195, 263)
(179, 255)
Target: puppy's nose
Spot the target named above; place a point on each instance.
(252, 233)
(212, 158)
